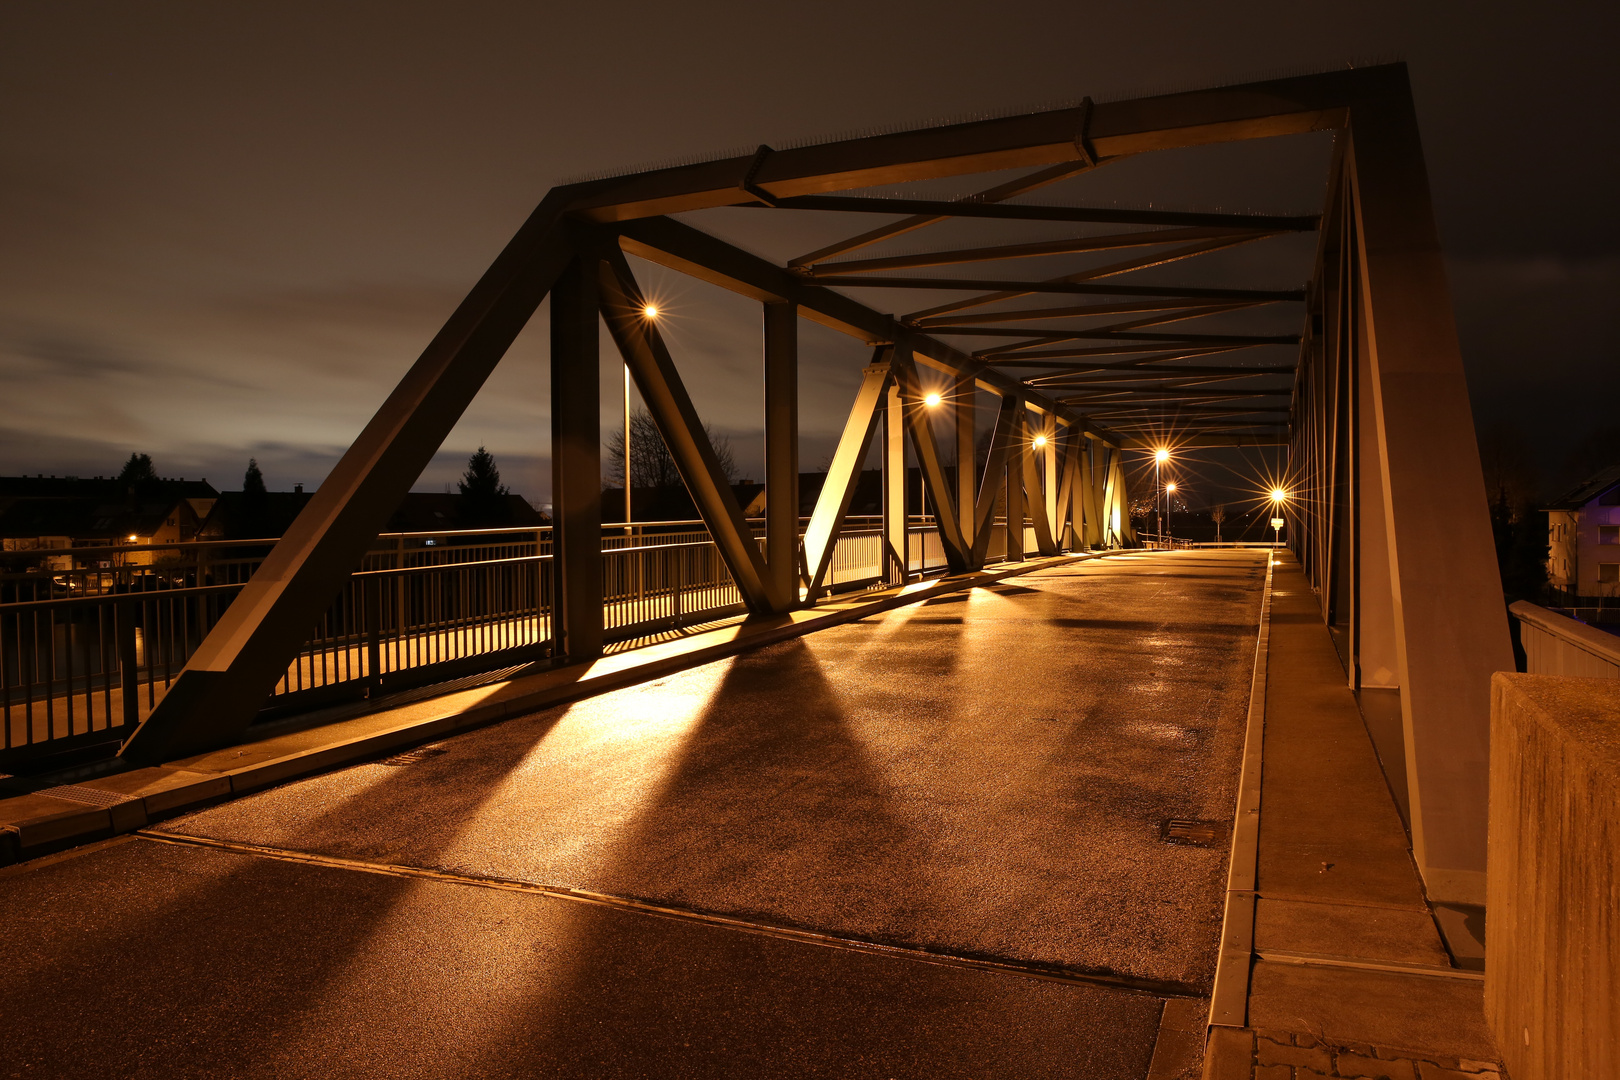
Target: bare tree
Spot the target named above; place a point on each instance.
(651, 464)
(1217, 514)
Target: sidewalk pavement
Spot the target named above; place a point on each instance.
(113, 802)
(1349, 975)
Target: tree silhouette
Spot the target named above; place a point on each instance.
(483, 496)
(253, 480)
(651, 464)
(255, 502)
(137, 477)
(137, 471)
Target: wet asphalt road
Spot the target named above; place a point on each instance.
(983, 775)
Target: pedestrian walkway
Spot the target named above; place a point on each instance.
(1350, 974)
(979, 834)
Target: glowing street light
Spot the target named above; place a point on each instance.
(1169, 490)
(1278, 497)
(1040, 440)
(931, 400)
(651, 311)
(1160, 456)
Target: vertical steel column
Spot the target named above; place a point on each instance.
(1451, 627)
(782, 451)
(964, 403)
(1052, 483)
(576, 462)
(895, 546)
(1017, 456)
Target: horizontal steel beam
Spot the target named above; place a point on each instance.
(1018, 212)
(1082, 134)
(1077, 288)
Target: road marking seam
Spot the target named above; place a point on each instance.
(1155, 988)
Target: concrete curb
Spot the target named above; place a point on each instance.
(58, 818)
(1229, 997)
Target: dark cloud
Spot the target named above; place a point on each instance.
(233, 227)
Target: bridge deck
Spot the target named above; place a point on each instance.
(983, 776)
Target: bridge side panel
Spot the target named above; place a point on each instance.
(1451, 627)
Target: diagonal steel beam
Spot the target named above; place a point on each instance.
(1141, 262)
(1088, 311)
(1035, 497)
(224, 684)
(921, 219)
(1071, 246)
(920, 432)
(832, 504)
(995, 465)
(665, 395)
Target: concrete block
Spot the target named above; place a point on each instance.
(8, 846)
(1553, 952)
(1357, 1065)
(44, 824)
(1229, 1054)
(1267, 1052)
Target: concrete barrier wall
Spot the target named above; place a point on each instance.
(1553, 924)
(1555, 644)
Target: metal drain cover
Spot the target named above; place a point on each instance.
(411, 757)
(88, 796)
(1193, 833)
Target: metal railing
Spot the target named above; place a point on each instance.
(91, 638)
(1555, 644)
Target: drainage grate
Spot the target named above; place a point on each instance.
(89, 796)
(411, 757)
(1193, 833)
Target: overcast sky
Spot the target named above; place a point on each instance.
(226, 230)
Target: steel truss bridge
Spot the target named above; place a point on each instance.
(1387, 514)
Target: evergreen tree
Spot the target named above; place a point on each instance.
(137, 478)
(137, 471)
(483, 496)
(253, 480)
(255, 503)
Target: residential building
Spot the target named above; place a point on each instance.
(1583, 536)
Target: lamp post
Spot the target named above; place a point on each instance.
(1278, 497)
(1160, 456)
(1169, 490)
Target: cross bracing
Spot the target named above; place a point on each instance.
(1081, 333)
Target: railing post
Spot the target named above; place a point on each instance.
(128, 672)
(372, 589)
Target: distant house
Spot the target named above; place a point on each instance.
(1583, 537)
(39, 513)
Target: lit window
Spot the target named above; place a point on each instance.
(1609, 573)
(1609, 534)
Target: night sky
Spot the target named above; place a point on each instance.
(227, 231)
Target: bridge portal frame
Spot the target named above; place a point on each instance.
(1389, 519)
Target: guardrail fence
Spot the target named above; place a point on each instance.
(91, 638)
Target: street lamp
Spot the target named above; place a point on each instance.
(1278, 497)
(1160, 456)
(1169, 490)
(931, 400)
